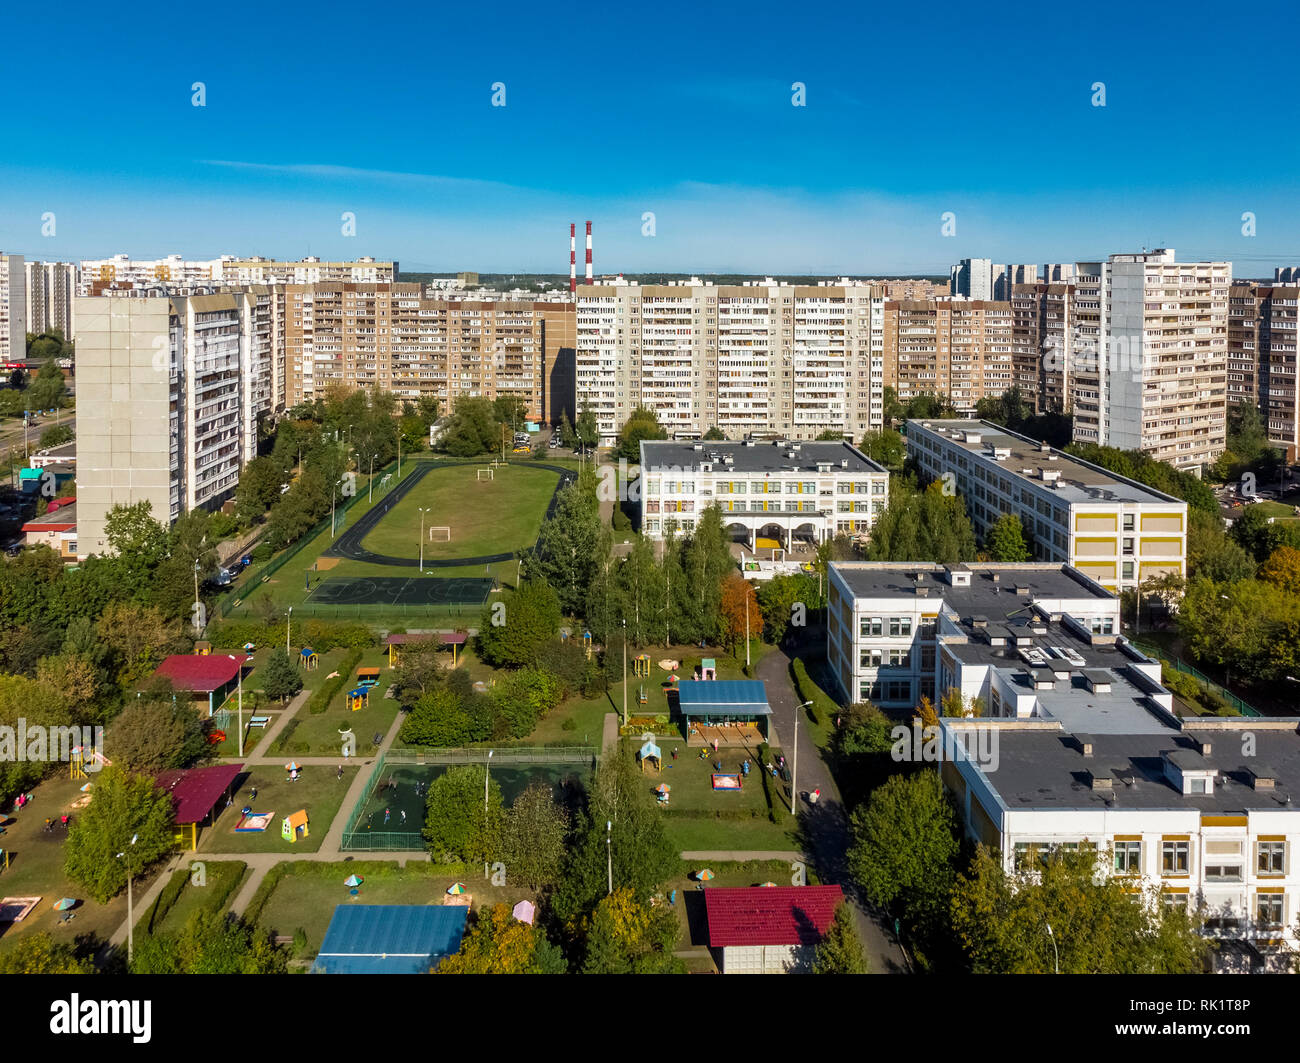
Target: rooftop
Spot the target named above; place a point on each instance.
(754, 456)
(390, 938)
(995, 598)
(770, 915)
(1048, 770)
(1077, 480)
(202, 673)
(196, 791)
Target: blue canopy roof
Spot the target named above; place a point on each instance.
(723, 697)
(390, 938)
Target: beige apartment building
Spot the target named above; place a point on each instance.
(1262, 357)
(122, 271)
(962, 348)
(1041, 344)
(51, 288)
(1150, 354)
(762, 357)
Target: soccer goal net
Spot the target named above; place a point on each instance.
(486, 474)
(440, 534)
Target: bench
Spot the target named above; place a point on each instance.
(259, 721)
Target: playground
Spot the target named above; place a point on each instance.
(317, 790)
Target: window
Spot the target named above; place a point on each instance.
(1102, 625)
(869, 659)
(1174, 900)
(1270, 858)
(1128, 857)
(898, 691)
(1128, 569)
(900, 627)
(1128, 521)
(1268, 909)
(1175, 857)
(871, 626)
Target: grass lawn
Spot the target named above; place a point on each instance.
(223, 878)
(36, 870)
(691, 780)
(314, 735)
(318, 790)
(485, 517)
(307, 901)
(690, 897)
(1277, 510)
(687, 832)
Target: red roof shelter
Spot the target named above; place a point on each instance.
(769, 928)
(197, 793)
(203, 673)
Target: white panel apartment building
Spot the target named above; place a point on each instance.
(1150, 356)
(166, 388)
(769, 357)
(124, 271)
(780, 491)
(13, 308)
(1115, 530)
(51, 289)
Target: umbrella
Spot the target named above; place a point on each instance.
(524, 911)
(455, 888)
(767, 883)
(663, 788)
(704, 875)
(353, 880)
(291, 766)
(65, 904)
(87, 787)
(249, 647)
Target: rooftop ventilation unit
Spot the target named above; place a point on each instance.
(1262, 778)
(697, 446)
(1049, 476)
(1022, 588)
(1097, 781)
(1097, 681)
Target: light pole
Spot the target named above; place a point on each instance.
(487, 774)
(423, 511)
(287, 625)
(609, 854)
(1055, 954)
(196, 596)
(794, 769)
(746, 625)
(372, 479)
(130, 902)
(625, 671)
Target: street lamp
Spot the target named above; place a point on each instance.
(287, 625)
(487, 774)
(794, 771)
(372, 479)
(130, 902)
(1055, 954)
(625, 671)
(196, 597)
(423, 511)
(609, 853)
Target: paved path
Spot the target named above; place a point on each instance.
(741, 856)
(823, 827)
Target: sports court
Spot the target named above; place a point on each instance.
(401, 590)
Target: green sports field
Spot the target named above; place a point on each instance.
(485, 516)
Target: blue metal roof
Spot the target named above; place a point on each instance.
(708, 697)
(390, 938)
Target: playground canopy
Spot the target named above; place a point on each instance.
(723, 700)
(203, 673)
(389, 938)
(650, 751)
(197, 793)
(454, 639)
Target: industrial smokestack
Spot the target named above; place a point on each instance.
(589, 280)
(573, 257)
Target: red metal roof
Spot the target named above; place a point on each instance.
(770, 915)
(200, 672)
(196, 791)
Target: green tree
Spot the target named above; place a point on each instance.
(640, 584)
(136, 537)
(210, 943)
(521, 698)
(259, 488)
(26, 699)
(1099, 924)
(531, 618)
(714, 434)
(126, 806)
(641, 424)
(778, 598)
(472, 428)
(56, 435)
(280, 679)
(533, 839)
(436, 719)
(628, 936)
(497, 943)
(155, 733)
(706, 562)
(571, 548)
(510, 409)
(41, 954)
(840, 949)
(47, 390)
(587, 429)
(930, 524)
(904, 853)
(1006, 539)
(456, 822)
(886, 447)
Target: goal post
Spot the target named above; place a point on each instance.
(491, 474)
(440, 534)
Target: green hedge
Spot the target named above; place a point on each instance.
(823, 707)
(228, 874)
(320, 635)
(324, 694)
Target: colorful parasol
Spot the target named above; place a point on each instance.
(455, 889)
(353, 880)
(704, 876)
(65, 904)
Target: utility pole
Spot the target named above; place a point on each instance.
(287, 625)
(625, 671)
(372, 479)
(487, 772)
(423, 511)
(794, 770)
(241, 710)
(747, 625)
(609, 853)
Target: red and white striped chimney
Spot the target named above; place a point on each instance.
(589, 279)
(573, 257)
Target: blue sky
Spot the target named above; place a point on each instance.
(685, 111)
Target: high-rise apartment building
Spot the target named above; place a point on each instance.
(51, 288)
(1042, 344)
(13, 308)
(962, 348)
(1149, 358)
(1058, 272)
(793, 360)
(973, 278)
(1005, 278)
(1262, 357)
(122, 271)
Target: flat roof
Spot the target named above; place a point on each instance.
(1047, 770)
(995, 599)
(755, 456)
(770, 915)
(196, 791)
(1079, 481)
(720, 697)
(389, 938)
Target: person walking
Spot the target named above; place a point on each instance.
(403, 816)
(387, 816)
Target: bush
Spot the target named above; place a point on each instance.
(262, 552)
(522, 698)
(823, 708)
(570, 724)
(320, 700)
(621, 520)
(56, 435)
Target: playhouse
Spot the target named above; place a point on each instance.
(708, 669)
(294, 826)
(650, 752)
(359, 698)
(309, 659)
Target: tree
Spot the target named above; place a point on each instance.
(418, 670)
(72, 677)
(840, 950)
(1251, 627)
(714, 434)
(473, 428)
(587, 430)
(1282, 569)
(155, 733)
(510, 409)
(778, 599)
(126, 806)
(136, 537)
(1211, 554)
(629, 937)
(1100, 924)
(571, 548)
(742, 617)
(56, 435)
(639, 582)
(929, 524)
(904, 852)
(706, 561)
(437, 719)
(1006, 539)
(533, 839)
(210, 943)
(40, 954)
(280, 679)
(26, 699)
(532, 617)
(47, 390)
(456, 822)
(641, 424)
(497, 943)
(138, 636)
(259, 488)
(886, 447)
